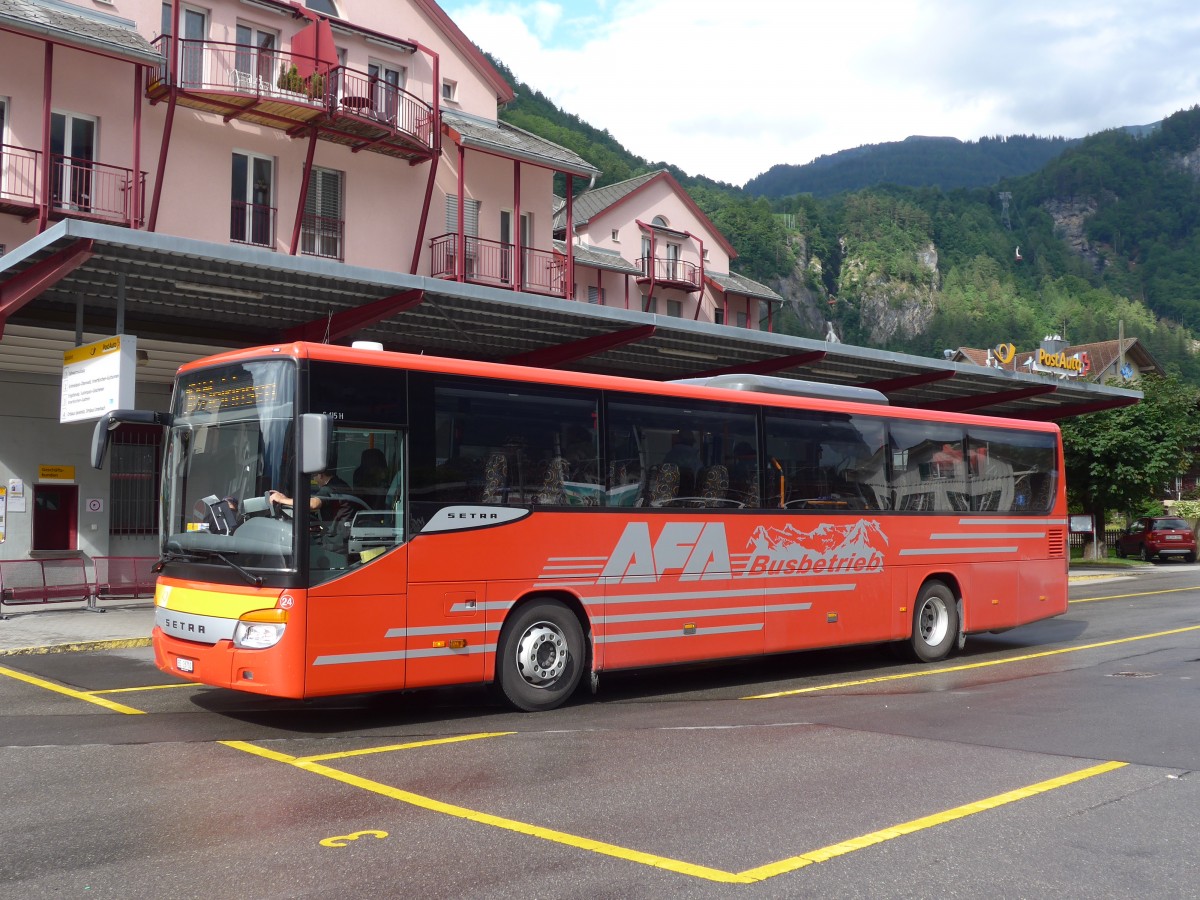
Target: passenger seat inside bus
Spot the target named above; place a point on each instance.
(662, 484)
(495, 479)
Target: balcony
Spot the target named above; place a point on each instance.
(19, 180)
(666, 272)
(263, 86)
(252, 223)
(79, 188)
(492, 263)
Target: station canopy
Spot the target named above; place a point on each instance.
(200, 294)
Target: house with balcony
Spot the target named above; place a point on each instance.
(330, 128)
(644, 244)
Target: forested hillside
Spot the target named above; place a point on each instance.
(1106, 232)
(943, 162)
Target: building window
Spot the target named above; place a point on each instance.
(675, 308)
(252, 217)
(133, 480)
(660, 222)
(323, 228)
(386, 84)
(449, 91)
(595, 295)
(742, 321)
(257, 66)
(718, 317)
(616, 236)
(323, 6)
(706, 257)
(72, 152)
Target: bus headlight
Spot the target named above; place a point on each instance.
(260, 629)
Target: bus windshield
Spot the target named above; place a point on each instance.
(231, 442)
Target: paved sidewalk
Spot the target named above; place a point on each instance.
(63, 630)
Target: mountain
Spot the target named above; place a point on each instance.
(917, 161)
(1105, 233)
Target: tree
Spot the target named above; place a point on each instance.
(1121, 458)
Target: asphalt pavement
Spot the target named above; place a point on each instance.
(71, 627)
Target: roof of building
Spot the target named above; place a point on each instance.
(507, 140)
(238, 295)
(1103, 355)
(599, 258)
(74, 26)
(591, 203)
(733, 283)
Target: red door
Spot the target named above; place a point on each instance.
(55, 517)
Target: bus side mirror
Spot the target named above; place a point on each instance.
(111, 421)
(315, 431)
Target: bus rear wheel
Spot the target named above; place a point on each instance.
(935, 622)
(540, 657)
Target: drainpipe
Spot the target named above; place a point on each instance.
(135, 186)
(569, 287)
(700, 299)
(47, 163)
(173, 95)
(308, 161)
(435, 137)
(460, 258)
(518, 250)
(416, 256)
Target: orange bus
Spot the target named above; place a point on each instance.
(338, 520)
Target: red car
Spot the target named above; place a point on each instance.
(1161, 536)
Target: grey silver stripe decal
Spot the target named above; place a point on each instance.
(980, 535)
(1012, 522)
(344, 659)
(440, 629)
(934, 551)
(718, 595)
(700, 613)
(665, 635)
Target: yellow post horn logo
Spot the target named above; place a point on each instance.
(1004, 353)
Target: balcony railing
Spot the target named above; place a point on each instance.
(252, 223)
(493, 262)
(94, 190)
(19, 176)
(322, 236)
(357, 94)
(222, 76)
(669, 272)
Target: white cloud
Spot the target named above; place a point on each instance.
(728, 91)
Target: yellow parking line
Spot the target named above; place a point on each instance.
(924, 673)
(708, 873)
(145, 687)
(1127, 596)
(70, 692)
(411, 746)
(959, 812)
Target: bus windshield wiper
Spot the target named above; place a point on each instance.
(199, 553)
(174, 556)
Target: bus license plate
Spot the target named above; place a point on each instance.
(185, 665)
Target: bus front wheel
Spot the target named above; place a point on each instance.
(935, 622)
(540, 656)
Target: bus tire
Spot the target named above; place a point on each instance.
(935, 622)
(540, 656)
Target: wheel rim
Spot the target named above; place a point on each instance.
(542, 654)
(933, 622)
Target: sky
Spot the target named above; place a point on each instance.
(729, 89)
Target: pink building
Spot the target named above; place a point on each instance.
(645, 244)
(339, 130)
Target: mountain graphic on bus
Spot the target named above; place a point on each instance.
(828, 548)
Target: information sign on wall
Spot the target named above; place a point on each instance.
(3, 510)
(98, 378)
